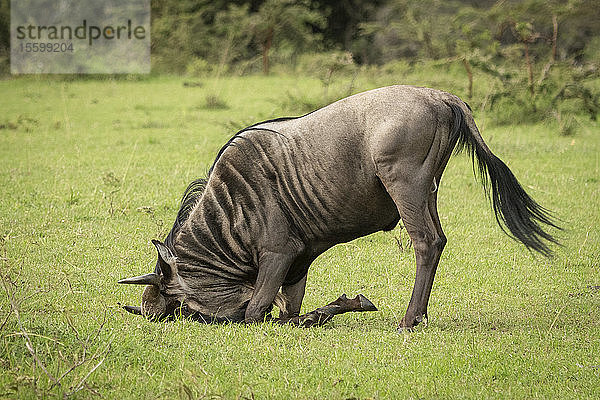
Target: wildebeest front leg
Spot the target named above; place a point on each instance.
(323, 314)
(272, 269)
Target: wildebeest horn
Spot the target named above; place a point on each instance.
(133, 309)
(148, 279)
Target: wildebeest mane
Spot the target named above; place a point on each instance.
(190, 196)
(195, 189)
(249, 128)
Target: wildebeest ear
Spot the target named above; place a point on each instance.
(166, 260)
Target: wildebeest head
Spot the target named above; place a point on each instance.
(168, 294)
(164, 293)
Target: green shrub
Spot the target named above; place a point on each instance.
(214, 102)
(199, 68)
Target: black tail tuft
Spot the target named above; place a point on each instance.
(513, 207)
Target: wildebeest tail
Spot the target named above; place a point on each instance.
(513, 207)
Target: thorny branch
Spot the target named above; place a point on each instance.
(84, 360)
(28, 343)
(82, 382)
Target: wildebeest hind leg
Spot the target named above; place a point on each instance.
(411, 189)
(418, 223)
(294, 295)
(439, 245)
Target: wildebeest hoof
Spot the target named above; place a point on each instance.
(366, 304)
(404, 330)
(410, 326)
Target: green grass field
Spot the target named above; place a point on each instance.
(92, 170)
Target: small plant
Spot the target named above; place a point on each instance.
(301, 103)
(214, 102)
(151, 212)
(151, 124)
(73, 198)
(114, 186)
(567, 125)
(109, 179)
(232, 125)
(199, 68)
(8, 125)
(22, 122)
(337, 73)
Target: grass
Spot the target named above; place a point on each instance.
(91, 170)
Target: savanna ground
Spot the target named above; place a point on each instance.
(92, 170)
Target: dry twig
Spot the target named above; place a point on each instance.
(22, 332)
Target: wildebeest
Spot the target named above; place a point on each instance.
(282, 192)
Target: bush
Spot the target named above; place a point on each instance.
(326, 64)
(214, 102)
(199, 68)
